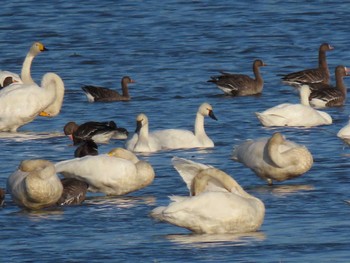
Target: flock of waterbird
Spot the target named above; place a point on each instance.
(216, 202)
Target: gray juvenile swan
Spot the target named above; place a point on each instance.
(35, 184)
(275, 158)
(217, 203)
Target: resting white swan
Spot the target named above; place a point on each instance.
(21, 103)
(288, 114)
(35, 184)
(142, 140)
(218, 204)
(275, 158)
(344, 133)
(178, 138)
(117, 173)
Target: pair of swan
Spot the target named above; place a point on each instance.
(117, 173)
(217, 203)
(274, 158)
(26, 77)
(239, 84)
(35, 185)
(143, 141)
(101, 94)
(22, 103)
(99, 132)
(298, 115)
(314, 75)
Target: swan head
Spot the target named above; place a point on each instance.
(141, 121)
(37, 48)
(124, 154)
(206, 109)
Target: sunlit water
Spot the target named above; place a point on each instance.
(171, 49)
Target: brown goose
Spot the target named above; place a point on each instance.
(239, 84)
(314, 75)
(328, 95)
(2, 196)
(74, 192)
(87, 147)
(94, 93)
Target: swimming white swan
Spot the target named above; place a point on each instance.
(275, 158)
(218, 204)
(35, 184)
(178, 138)
(21, 103)
(117, 173)
(288, 114)
(142, 140)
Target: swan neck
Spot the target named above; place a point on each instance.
(199, 125)
(304, 96)
(25, 73)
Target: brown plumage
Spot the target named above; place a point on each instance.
(239, 84)
(74, 192)
(2, 196)
(88, 147)
(314, 75)
(328, 95)
(94, 93)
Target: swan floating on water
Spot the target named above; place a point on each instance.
(21, 103)
(297, 115)
(217, 203)
(274, 158)
(35, 185)
(117, 173)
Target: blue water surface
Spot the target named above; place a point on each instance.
(171, 48)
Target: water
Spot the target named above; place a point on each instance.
(171, 48)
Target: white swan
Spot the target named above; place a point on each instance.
(26, 76)
(275, 158)
(7, 78)
(178, 138)
(344, 133)
(142, 140)
(288, 114)
(35, 184)
(117, 173)
(21, 103)
(218, 204)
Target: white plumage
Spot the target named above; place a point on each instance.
(21, 103)
(117, 173)
(218, 204)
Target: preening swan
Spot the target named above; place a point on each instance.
(142, 140)
(315, 75)
(287, 114)
(117, 173)
(239, 84)
(35, 184)
(94, 93)
(21, 103)
(275, 158)
(217, 204)
(178, 138)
